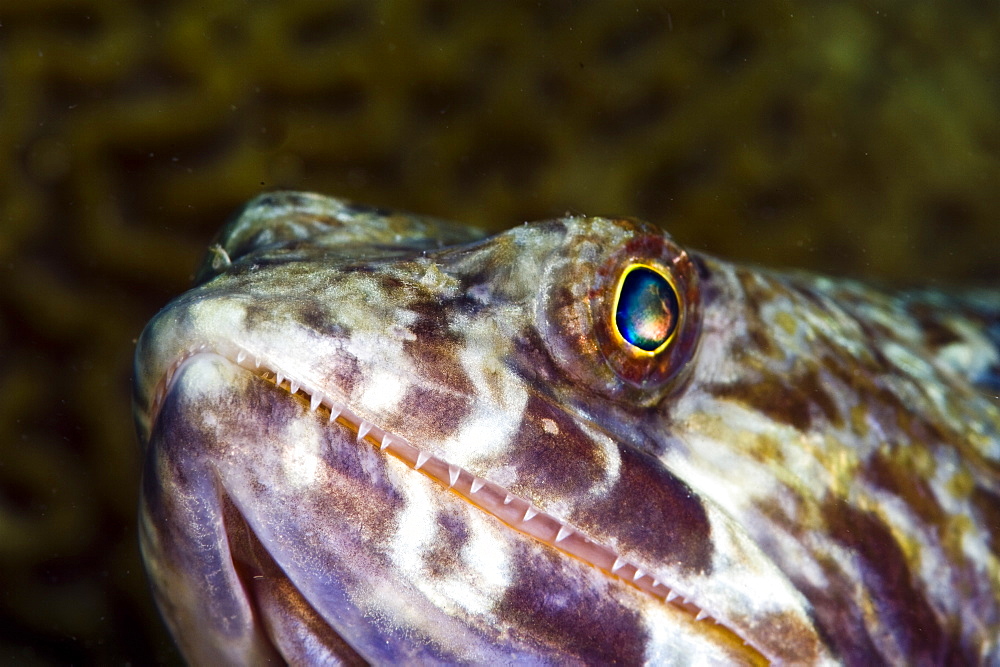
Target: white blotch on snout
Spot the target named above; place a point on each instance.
(498, 411)
(384, 389)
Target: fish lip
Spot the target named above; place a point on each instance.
(515, 511)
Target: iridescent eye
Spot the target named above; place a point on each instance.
(646, 309)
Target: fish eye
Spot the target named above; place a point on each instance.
(646, 309)
(621, 313)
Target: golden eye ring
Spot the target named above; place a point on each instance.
(646, 309)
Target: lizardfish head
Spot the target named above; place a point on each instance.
(378, 437)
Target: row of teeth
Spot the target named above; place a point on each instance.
(489, 497)
(513, 510)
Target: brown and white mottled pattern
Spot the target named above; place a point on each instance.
(373, 437)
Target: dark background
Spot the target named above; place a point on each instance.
(854, 138)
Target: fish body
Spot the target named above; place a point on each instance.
(377, 437)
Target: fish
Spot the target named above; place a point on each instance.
(377, 437)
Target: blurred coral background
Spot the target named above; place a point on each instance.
(854, 138)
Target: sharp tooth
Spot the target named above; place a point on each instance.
(671, 596)
(617, 565)
(278, 378)
(701, 615)
(563, 533)
(315, 401)
(476, 484)
(293, 386)
(639, 574)
(240, 356)
(453, 472)
(507, 499)
(529, 513)
(363, 430)
(335, 412)
(256, 362)
(386, 440)
(422, 458)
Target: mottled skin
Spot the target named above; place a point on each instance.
(811, 463)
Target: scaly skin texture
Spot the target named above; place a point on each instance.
(807, 473)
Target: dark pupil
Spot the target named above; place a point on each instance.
(647, 309)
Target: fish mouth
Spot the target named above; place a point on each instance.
(274, 592)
